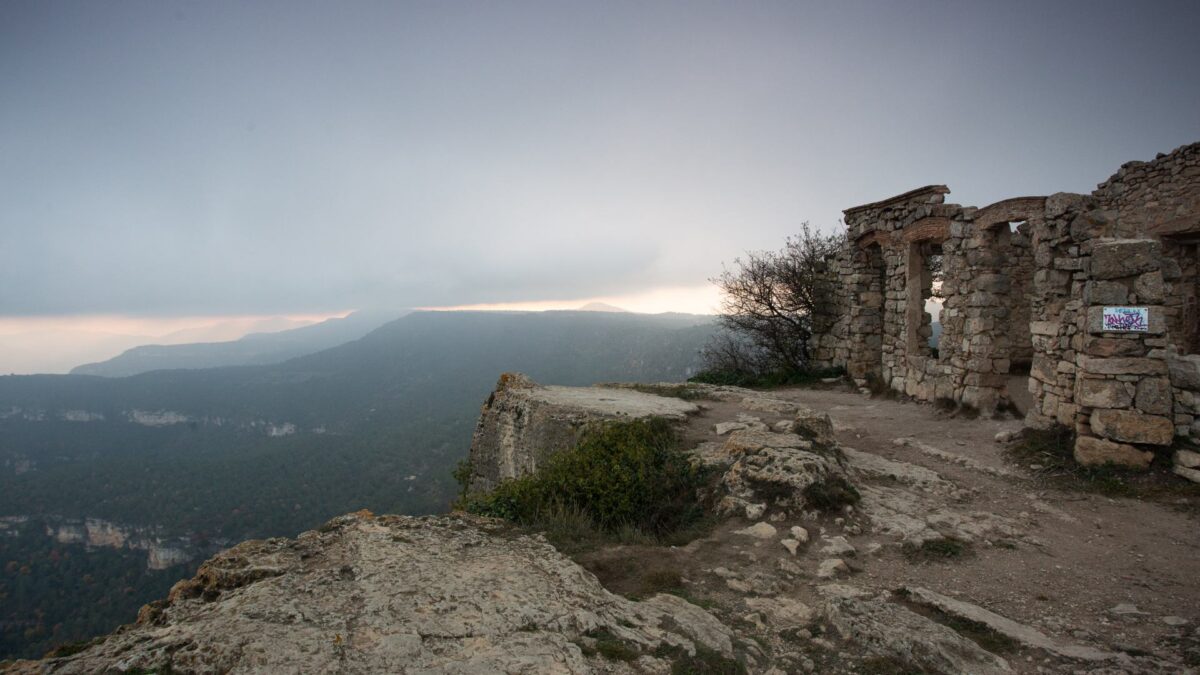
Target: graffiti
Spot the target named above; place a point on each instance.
(1135, 319)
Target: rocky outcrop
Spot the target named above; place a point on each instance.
(366, 594)
(522, 423)
(889, 630)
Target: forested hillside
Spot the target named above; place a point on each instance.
(225, 454)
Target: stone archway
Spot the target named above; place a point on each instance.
(1006, 230)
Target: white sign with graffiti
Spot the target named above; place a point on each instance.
(1128, 319)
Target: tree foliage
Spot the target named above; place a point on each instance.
(771, 299)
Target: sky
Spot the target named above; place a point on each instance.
(170, 161)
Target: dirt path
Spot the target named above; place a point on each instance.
(1057, 561)
(1093, 552)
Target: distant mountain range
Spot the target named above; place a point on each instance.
(252, 349)
(601, 307)
(214, 455)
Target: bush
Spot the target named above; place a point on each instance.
(621, 475)
(773, 303)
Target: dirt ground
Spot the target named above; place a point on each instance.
(1078, 555)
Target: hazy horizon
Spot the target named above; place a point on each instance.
(186, 163)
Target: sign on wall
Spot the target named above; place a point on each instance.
(1129, 319)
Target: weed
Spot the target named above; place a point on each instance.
(944, 549)
(1052, 451)
(704, 662)
(611, 647)
(831, 494)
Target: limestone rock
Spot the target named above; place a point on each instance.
(1090, 451)
(722, 428)
(1184, 472)
(1154, 396)
(782, 612)
(887, 629)
(1117, 258)
(391, 594)
(792, 545)
(1185, 371)
(832, 567)
(1096, 393)
(1187, 458)
(838, 547)
(1126, 609)
(767, 404)
(772, 468)
(523, 423)
(758, 531)
(799, 534)
(1133, 427)
(1021, 633)
(814, 426)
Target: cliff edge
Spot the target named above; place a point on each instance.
(367, 594)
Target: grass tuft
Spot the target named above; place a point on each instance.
(937, 550)
(831, 495)
(1052, 452)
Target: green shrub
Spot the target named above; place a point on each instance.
(621, 475)
(704, 662)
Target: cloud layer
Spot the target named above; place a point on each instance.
(228, 158)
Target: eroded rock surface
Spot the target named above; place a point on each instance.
(522, 423)
(448, 594)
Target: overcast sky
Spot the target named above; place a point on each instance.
(210, 158)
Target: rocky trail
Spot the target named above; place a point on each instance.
(1072, 581)
(857, 535)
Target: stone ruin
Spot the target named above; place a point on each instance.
(1025, 285)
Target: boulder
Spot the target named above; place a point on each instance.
(1185, 371)
(1096, 393)
(1187, 458)
(1133, 427)
(1116, 258)
(1091, 451)
(773, 468)
(1154, 396)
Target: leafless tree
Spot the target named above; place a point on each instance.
(770, 300)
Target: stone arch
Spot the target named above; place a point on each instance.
(1005, 232)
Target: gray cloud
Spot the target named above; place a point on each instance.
(228, 157)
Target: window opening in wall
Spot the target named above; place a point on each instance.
(933, 305)
(924, 298)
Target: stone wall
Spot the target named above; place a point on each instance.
(1026, 281)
